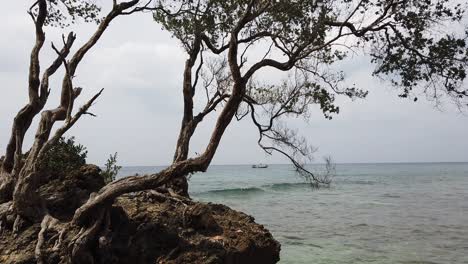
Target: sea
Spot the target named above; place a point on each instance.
(408, 213)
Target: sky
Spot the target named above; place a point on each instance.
(138, 115)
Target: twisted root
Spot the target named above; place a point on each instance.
(48, 222)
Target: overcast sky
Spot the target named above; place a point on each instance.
(139, 113)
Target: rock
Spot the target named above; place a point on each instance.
(192, 232)
(200, 217)
(179, 186)
(64, 194)
(146, 227)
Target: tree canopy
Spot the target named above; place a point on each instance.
(419, 46)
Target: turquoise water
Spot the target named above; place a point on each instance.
(373, 213)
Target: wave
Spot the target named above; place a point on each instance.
(419, 262)
(255, 190)
(360, 225)
(296, 185)
(286, 186)
(235, 191)
(388, 195)
(359, 182)
(293, 237)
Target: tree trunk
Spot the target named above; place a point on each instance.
(37, 98)
(26, 201)
(25, 179)
(188, 126)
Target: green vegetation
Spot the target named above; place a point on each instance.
(111, 169)
(66, 155)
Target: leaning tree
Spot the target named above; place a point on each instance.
(227, 44)
(419, 46)
(20, 173)
(401, 38)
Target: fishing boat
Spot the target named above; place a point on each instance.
(260, 166)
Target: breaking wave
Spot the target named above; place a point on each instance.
(235, 191)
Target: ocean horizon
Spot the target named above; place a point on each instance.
(372, 212)
(312, 164)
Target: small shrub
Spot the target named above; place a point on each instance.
(111, 169)
(65, 156)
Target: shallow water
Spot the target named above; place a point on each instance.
(373, 213)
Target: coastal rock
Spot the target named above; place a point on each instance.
(63, 194)
(148, 227)
(184, 231)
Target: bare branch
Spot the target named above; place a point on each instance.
(68, 124)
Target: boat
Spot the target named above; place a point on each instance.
(260, 166)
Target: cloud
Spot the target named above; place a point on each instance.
(139, 113)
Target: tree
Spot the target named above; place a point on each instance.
(20, 173)
(306, 38)
(399, 36)
(303, 38)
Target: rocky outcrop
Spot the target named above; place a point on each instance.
(167, 230)
(64, 194)
(148, 227)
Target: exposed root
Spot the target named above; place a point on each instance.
(6, 187)
(5, 211)
(176, 196)
(80, 244)
(48, 222)
(58, 242)
(19, 223)
(172, 196)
